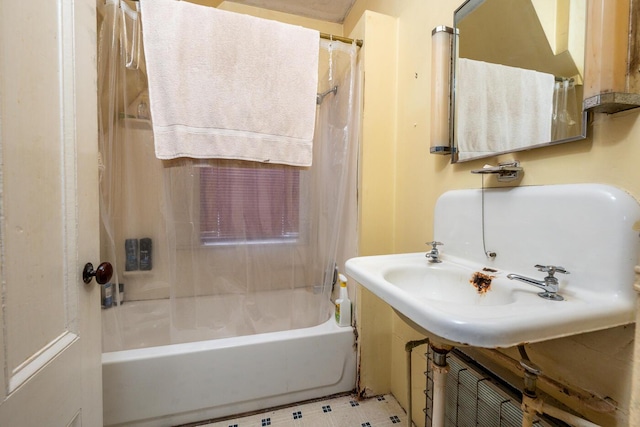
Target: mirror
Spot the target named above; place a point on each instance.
(517, 76)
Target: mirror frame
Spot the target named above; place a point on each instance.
(463, 10)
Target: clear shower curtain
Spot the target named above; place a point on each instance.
(237, 247)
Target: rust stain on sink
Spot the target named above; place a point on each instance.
(481, 281)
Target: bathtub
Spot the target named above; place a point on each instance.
(167, 385)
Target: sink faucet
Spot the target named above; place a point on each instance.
(549, 284)
(433, 256)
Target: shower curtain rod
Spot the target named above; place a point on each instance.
(341, 39)
(331, 37)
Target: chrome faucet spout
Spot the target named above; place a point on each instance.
(537, 283)
(549, 285)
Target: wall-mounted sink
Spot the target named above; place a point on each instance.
(468, 300)
(445, 301)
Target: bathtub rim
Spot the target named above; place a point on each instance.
(328, 325)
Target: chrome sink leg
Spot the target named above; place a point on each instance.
(440, 370)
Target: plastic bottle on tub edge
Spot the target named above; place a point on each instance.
(343, 304)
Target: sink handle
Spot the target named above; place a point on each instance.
(433, 255)
(434, 244)
(551, 269)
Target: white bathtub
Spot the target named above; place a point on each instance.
(182, 383)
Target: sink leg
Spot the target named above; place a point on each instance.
(440, 370)
(532, 404)
(528, 412)
(531, 372)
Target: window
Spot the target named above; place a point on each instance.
(255, 203)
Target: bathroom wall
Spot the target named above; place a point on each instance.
(400, 182)
(376, 186)
(600, 362)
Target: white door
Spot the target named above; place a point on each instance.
(49, 320)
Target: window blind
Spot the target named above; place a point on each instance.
(254, 203)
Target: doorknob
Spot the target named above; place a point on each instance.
(103, 273)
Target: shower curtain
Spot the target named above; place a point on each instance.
(264, 239)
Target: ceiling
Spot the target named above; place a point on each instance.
(325, 10)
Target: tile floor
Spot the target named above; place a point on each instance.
(343, 411)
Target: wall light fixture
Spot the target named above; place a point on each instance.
(441, 64)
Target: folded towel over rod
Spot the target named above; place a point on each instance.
(228, 85)
(499, 108)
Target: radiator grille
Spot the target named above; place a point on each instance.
(474, 398)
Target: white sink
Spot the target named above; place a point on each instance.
(442, 300)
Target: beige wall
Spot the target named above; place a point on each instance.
(376, 188)
(600, 362)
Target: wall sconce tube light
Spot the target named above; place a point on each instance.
(441, 57)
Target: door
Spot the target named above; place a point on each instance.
(49, 320)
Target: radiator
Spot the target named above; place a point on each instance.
(475, 397)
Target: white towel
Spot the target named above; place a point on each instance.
(227, 85)
(500, 108)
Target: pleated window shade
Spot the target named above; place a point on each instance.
(253, 203)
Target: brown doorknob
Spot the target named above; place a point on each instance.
(103, 273)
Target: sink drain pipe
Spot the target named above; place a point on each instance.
(408, 348)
